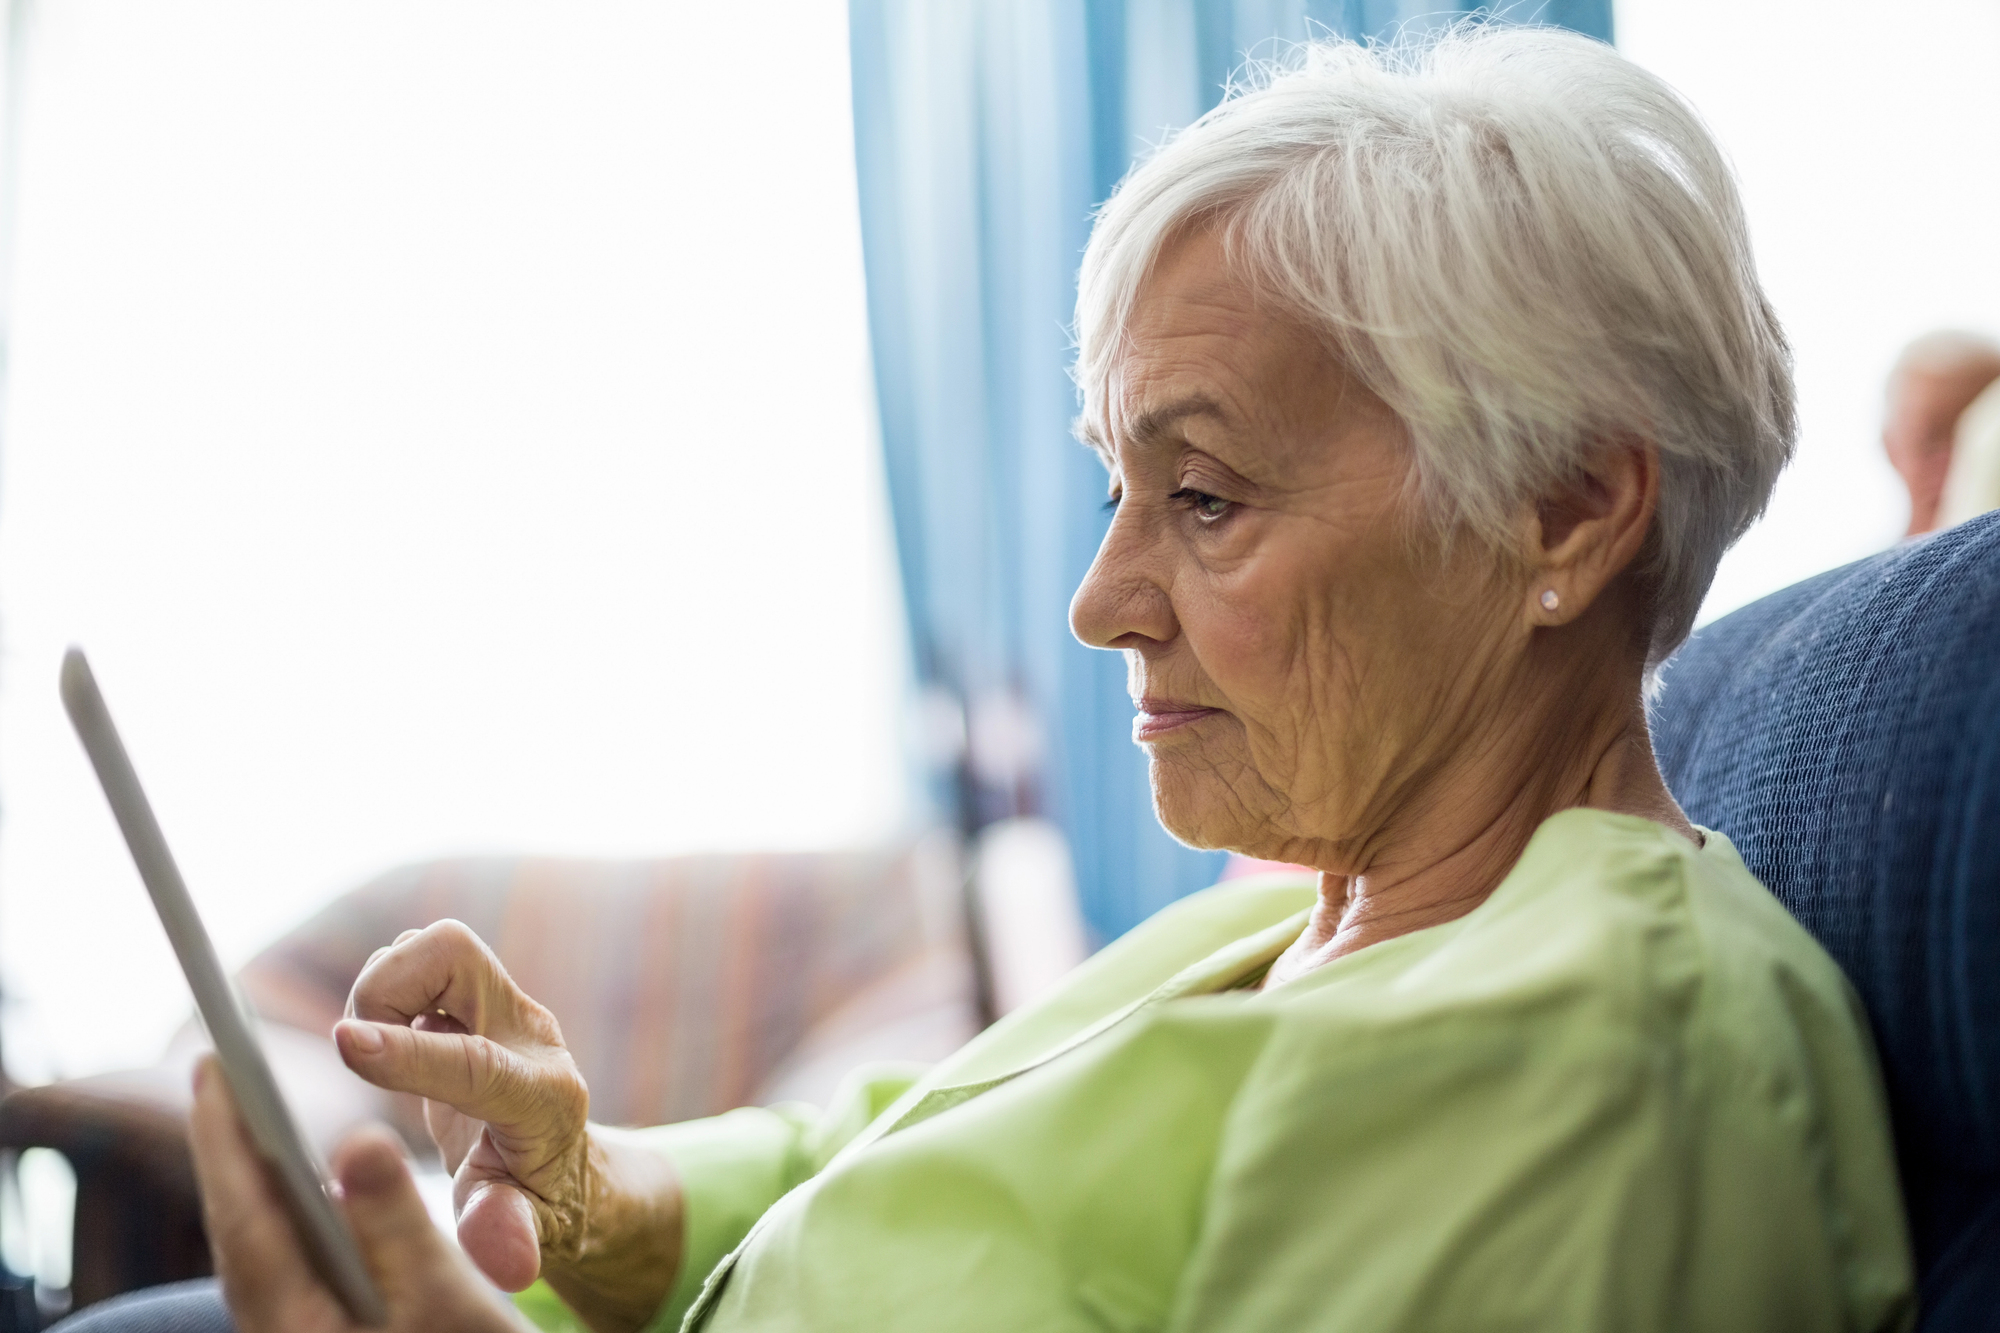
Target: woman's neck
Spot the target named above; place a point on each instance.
(1456, 850)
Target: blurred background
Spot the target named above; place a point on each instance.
(448, 428)
(640, 429)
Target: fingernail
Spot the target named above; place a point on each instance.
(364, 1038)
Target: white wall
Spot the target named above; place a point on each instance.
(447, 426)
(1865, 138)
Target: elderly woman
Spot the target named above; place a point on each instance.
(1431, 386)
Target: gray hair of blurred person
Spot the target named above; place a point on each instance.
(1527, 246)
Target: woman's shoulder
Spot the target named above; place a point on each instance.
(1632, 889)
(1620, 970)
(1608, 924)
(1627, 1070)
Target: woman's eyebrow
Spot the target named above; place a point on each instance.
(1149, 426)
(1153, 423)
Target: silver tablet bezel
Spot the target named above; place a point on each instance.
(302, 1180)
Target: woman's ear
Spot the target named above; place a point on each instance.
(1587, 532)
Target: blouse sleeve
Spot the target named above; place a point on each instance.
(733, 1167)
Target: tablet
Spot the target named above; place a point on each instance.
(302, 1180)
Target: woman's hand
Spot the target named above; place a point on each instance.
(537, 1190)
(437, 1015)
(266, 1277)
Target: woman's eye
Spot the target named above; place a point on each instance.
(1206, 507)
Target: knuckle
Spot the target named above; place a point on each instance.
(551, 1093)
(489, 1070)
(568, 1094)
(540, 1024)
(377, 987)
(454, 936)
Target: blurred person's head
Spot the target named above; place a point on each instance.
(1433, 383)
(1972, 483)
(1932, 383)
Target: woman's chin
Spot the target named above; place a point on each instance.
(1200, 810)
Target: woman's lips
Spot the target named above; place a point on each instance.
(1157, 717)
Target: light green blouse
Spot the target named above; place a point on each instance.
(1627, 1092)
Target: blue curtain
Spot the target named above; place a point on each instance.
(986, 131)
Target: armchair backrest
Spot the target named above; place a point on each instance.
(1845, 734)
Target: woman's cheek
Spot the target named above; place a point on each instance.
(1245, 645)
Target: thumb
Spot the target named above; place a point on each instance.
(496, 1229)
(384, 1208)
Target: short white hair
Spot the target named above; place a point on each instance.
(1526, 245)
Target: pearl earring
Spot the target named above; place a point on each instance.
(1549, 599)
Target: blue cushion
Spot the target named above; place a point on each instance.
(1845, 734)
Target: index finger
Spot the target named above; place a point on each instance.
(511, 1090)
(445, 970)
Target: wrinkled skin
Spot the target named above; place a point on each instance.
(1320, 676)
(539, 1191)
(505, 1103)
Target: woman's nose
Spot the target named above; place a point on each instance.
(1122, 596)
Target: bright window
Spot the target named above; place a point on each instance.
(1862, 135)
(448, 428)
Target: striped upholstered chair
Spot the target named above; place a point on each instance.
(684, 987)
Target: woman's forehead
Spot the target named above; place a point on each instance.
(1146, 428)
(1192, 290)
(1238, 390)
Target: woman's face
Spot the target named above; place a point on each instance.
(1306, 661)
